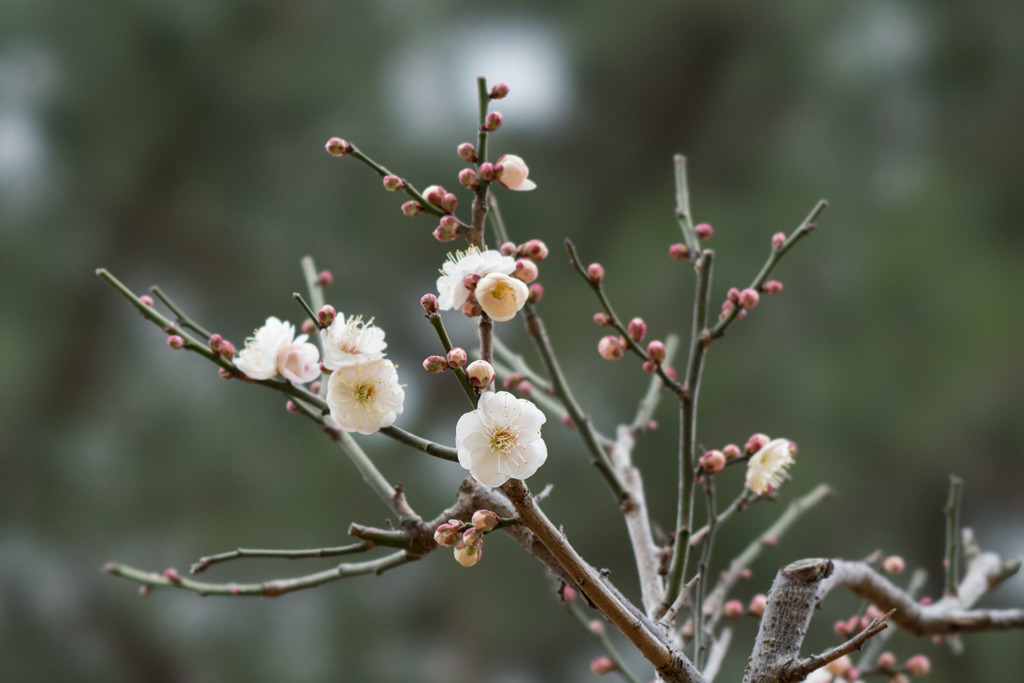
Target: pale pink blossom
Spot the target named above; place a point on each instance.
(768, 466)
(350, 340)
(365, 397)
(451, 288)
(501, 440)
(513, 173)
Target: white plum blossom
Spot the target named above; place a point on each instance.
(451, 290)
(767, 467)
(274, 349)
(501, 296)
(500, 440)
(351, 340)
(365, 397)
(513, 173)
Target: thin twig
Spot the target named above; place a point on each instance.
(799, 670)
(205, 563)
(952, 512)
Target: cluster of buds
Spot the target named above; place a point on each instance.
(467, 539)
(220, 346)
(655, 355)
(455, 358)
(846, 628)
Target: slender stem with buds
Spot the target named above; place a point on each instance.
(205, 563)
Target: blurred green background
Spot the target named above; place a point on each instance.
(181, 143)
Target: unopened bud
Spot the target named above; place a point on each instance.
(703, 231)
(338, 147)
(656, 351)
(393, 182)
(731, 451)
(147, 300)
(171, 574)
(434, 194)
(224, 373)
(325, 278)
(732, 609)
(468, 179)
(778, 241)
(771, 287)
(894, 564)
(512, 380)
(637, 329)
(611, 348)
(534, 250)
(679, 251)
(770, 541)
(508, 248)
(447, 230)
(473, 536)
(749, 298)
(314, 388)
(448, 534)
(487, 172)
(470, 281)
(596, 626)
(499, 91)
(756, 442)
(886, 661)
(307, 327)
(429, 303)
(841, 629)
(480, 373)
(733, 295)
(467, 152)
(918, 665)
(567, 421)
(493, 121)
(216, 343)
(899, 678)
(467, 555)
(757, 605)
(456, 357)
(745, 573)
(525, 389)
(449, 201)
(602, 319)
(536, 292)
(471, 309)
(712, 462)
(176, 342)
(412, 208)
(485, 520)
(291, 407)
(526, 270)
(595, 271)
(325, 316)
(435, 364)
(602, 666)
(649, 366)
(567, 594)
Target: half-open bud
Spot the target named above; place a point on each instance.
(480, 373)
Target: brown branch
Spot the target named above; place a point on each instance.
(797, 671)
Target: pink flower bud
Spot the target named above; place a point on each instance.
(712, 462)
(771, 287)
(602, 666)
(703, 231)
(337, 147)
(447, 230)
(493, 121)
(224, 373)
(473, 536)
(325, 316)
(429, 303)
(567, 594)
(171, 574)
(649, 366)
(314, 388)
(325, 278)
(467, 152)
(393, 182)
(468, 179)
(925, 601)
(838, 667)
(435, 364)
(894, 564)
(656, 351)
(731, 451)
(449, 201)
(637, 329)
(611, 348)
(602, 319)
(480, 374)
(508, 248)
(471, 309)
(512, 380)
(536, 292)
(448, 534)
(485, 520)
(749, 298)
(567, 421)
(467, 555)
(526, 270)
(841, 629)
(899, 678)
(734, 296)
(770, 541)
(486, 171)
(511, 171)
(499, 91)
(757, 605)
(456, 357)
(732, 609)
(216, 343)
(291, 407)
(412, 208)
(886, 661)
(535, 250)
(595, 271)
(307, 327)
(756, 442)
(525, 389)
(918, 665)
(745, 573)
(596, 626)
(434, 194)
(227, 350)
(147, 300)
(176, 342)
(778, 241)
(679, 251)
(851, 674)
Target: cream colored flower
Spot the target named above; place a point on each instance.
(365, 397)
(451, 288)
(274, 349)
(501, 296)
(513, 173)
(501, 439)
(767, 467)
(351, 340)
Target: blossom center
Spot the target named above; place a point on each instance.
(504, 439)
(364, 392)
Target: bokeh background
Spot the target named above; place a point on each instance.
(181, 143)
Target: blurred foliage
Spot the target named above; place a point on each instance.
(182, 144)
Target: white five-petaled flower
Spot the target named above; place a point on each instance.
(501, 296)
(513, 173)
(451, 288)
(365, 397)
(500, 440)
(767, 467)
(351, 340)
(274, 349)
